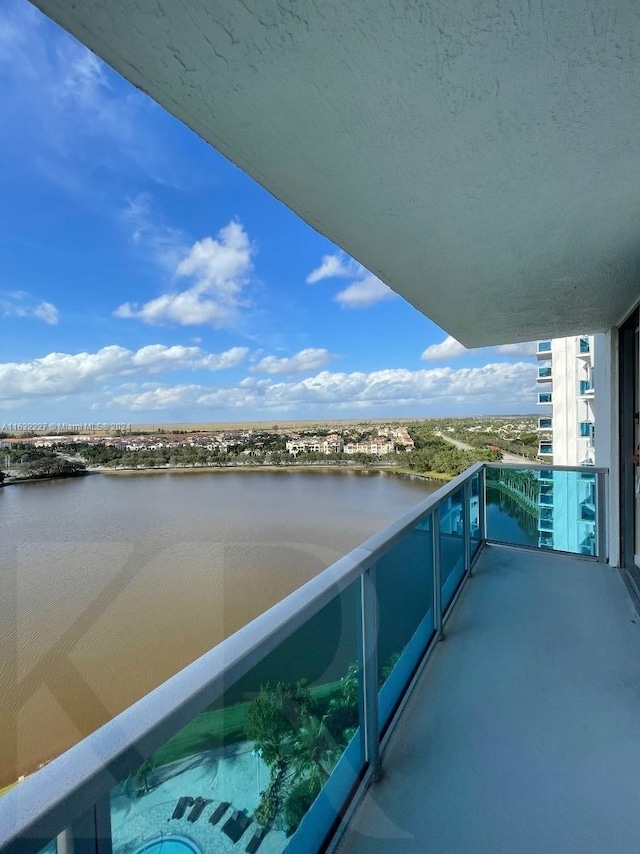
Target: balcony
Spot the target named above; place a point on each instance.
(544, 374)
(544, 397)
(585, 389)
(545, 423)
(545, 449)
(584, 348)
(514, 743)
(500, 722)
(585, 429)
(544, 350)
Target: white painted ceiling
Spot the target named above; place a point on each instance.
(481, 156)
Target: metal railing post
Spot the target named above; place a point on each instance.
(482, 503)
(64, 842)
(369, 640)
(437, 592)
(103, 826)
(601, 516)
(466, 525)
(81, 837)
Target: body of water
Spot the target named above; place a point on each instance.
(110, 584)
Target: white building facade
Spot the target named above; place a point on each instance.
(566, 388)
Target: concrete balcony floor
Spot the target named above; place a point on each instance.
(523, 732)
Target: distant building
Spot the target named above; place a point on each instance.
(565, 385)
(377, 447)
(567, 502)
(315, 444)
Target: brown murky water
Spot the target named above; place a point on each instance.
(110, 584)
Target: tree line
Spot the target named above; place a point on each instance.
(434, 454)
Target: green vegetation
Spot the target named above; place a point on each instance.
(207, 731)
(524, 486)
(36, 463)
(516, 434)
(268, 453)
(434, 454)
(300, 738)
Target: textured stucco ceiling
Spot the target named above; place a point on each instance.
(481, 156)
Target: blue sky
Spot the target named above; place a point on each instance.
(145, 278)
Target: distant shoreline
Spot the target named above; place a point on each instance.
(325, 467)
(434, 477)
(18, 481)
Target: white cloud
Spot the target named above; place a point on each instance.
(310, 359)
(447, 349)
(452, 349)
(19, 304)
(166, 245)
(63, 373)
(47, 312)
(219, 270)
(495, 387)
(70, 112)
(525, 348)
(334, 266)
(365, 289)
(364, 292)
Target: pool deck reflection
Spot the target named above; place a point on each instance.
(523, 732)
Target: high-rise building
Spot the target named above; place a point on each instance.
(567, 516)
(566, 387)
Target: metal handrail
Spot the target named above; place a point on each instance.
(534, 465)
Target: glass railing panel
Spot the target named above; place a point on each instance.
(542, 507)
(404, 592)
(544, 346)
(584, 345)
(270, 763)
(544, 398)
(474, 514)
(451, 546)
(513, 505)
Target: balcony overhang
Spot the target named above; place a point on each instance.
(463, 153)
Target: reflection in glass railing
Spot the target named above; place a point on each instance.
(404, 592)
(542, 507)
(281, 747)
(474, 514)
(451, 546)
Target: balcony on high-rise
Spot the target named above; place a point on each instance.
(544, 374)
(585, 429)
(466, 158)
(584, 347)
(518, 623)
(545, 423)
(543, 350)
